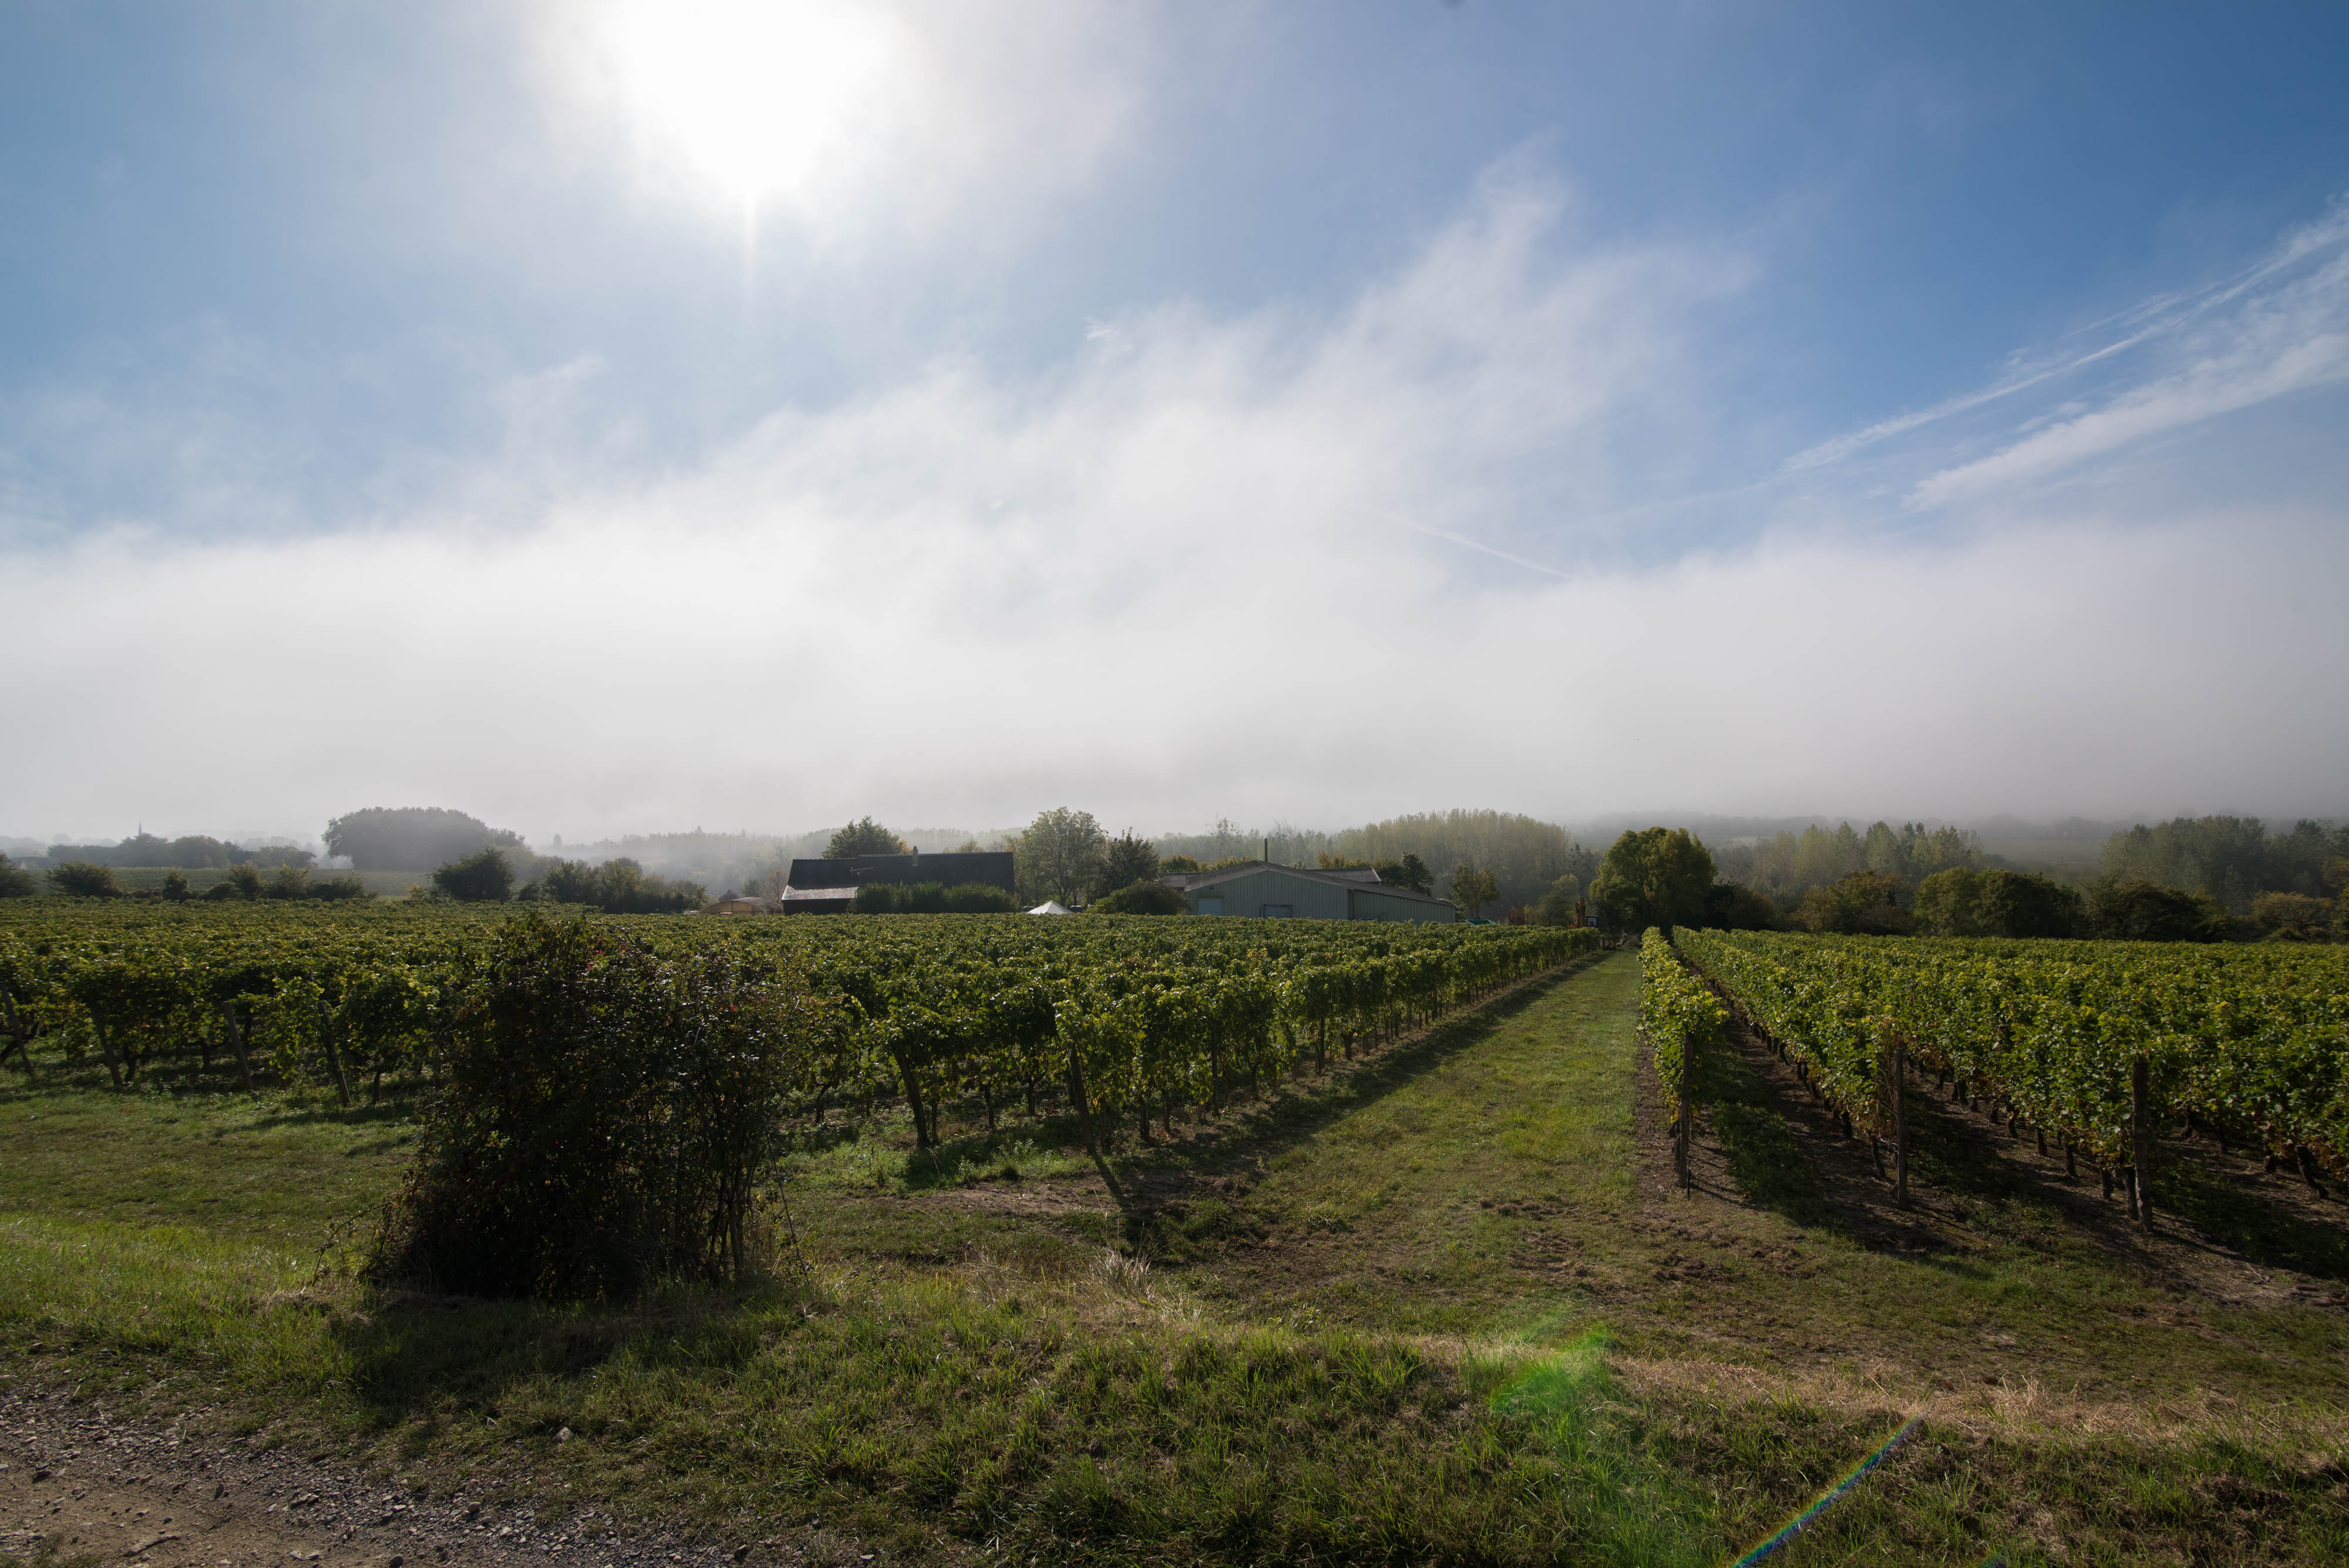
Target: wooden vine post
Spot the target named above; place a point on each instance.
(236, 1039)
(1895, 1070)
(19, 1037)
(1077, 1094)
(333, 1056)
(2141, 1139)
(1680, 1139)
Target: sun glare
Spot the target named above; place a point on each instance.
(763, 100)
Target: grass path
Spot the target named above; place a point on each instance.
(1453, 1201)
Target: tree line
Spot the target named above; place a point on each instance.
(193, 852)
(1936, 884)
(93, 879)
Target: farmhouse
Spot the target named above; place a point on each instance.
(829, 887)
(1264, 891)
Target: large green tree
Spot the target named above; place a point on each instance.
(410, 837)
(2024, 904)
(864, 836)
(1060, 854)
(1472, 888)
(1657, 876)
(1948, 903)
(1864, 903)
(1125, 860)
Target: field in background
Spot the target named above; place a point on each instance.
(1444, 1305)
(149, 879)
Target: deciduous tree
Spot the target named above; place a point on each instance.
(1060, 855)
(484, 878)
(1658, 877)
(2024, 904)
(1126, 860)
(1472, 888)
(411, 837)
(1864, 903)
(864, 837)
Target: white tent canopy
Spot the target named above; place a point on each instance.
(1050, 906)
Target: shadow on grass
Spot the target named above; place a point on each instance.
(417, 1354)
(386, 1112)
(179, 1087)
(1816, 1178)
(2262, 1229)
(1768, 1162)
(992, 1155)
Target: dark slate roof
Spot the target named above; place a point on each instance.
(992, 867)
(1352, 876)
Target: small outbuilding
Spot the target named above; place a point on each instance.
(1263, 890)
(745, 904)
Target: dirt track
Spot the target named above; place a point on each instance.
(106, 1491)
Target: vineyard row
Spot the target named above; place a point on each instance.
(2096, 1044)
(1127, 1018)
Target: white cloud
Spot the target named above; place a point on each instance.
(2269, 330)
(1204, 567)
(2282, 329)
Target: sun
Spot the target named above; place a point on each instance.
(761, 100)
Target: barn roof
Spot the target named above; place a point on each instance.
(1352, 876)
(992, 867)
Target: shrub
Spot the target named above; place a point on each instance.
(15, 882)
(2134, 909)
(2024, 904)
(604, 1115)
(81, 879)
(243, 882)
(932, 899)
(1143, 898)
(175, 884)
(484, 877)
(2292, 916)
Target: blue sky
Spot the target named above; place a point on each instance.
(610, 416)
